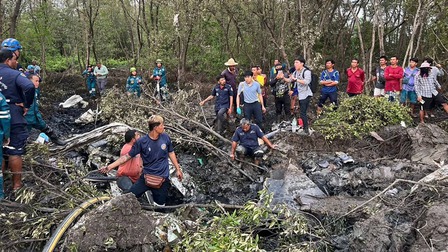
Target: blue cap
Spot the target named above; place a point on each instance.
(11, 44)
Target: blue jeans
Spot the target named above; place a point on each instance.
(159, 195)
(304, 104)
(254, 109)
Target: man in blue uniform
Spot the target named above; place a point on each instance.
(224, 101)
(19, 94)
(247, 137)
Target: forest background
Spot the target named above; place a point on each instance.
(195, 37)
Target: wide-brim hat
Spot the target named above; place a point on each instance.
(425, 65)
(231, 62)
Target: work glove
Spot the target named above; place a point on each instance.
(238, 111)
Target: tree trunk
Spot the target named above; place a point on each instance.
(2, 15)
(145, 24)
(14, 17)
(416, 24)
(358, 27)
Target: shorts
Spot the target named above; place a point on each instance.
(18, 136)
(411, 95)
(434, 100)
(379, 92)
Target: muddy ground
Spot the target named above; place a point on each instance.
(395, 220)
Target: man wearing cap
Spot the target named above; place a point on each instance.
(101, 73)
(19, 94)
(245, 141)
(231, 75)
(426, 87)
(253, 100)
(133, 83)
(159, 74)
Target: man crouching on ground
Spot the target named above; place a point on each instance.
(247, 135)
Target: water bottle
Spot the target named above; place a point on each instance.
(2, 194)
(294, 125)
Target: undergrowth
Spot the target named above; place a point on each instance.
(359, 115)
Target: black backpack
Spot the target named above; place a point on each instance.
(314, 84)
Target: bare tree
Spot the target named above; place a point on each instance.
(14, 17)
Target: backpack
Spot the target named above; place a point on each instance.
(314, 84)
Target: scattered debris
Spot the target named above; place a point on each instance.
(73, 101)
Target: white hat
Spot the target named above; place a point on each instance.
(425, 65)
(231, 62)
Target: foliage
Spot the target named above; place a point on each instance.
(60, 63)
(239, 230)
(357, 116)
(54, 186)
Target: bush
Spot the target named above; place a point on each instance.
(357, 116)
(238, 230)
(59, 63)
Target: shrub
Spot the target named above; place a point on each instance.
(357, 116)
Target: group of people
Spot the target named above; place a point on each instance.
(96, 78)
(158, 74)
(19, 110)
(417, 85)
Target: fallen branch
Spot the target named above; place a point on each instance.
(226, 206)
(91, 136)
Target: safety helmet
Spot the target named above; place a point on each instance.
(30, 67)
(132, 69)
(11, 44)
(158, 61)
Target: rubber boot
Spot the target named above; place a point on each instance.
(52, 135)
(15, 165)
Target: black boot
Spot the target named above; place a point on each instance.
(52, 135)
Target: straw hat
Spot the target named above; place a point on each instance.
(231, 62)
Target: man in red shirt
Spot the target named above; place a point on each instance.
(129, 172)
(356, 78)
(393, 75)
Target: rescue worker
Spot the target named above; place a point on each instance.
(19, 94)
(5, 121)
(245, 141)
(90, 80)
(133, 83)
(159, 74)
(34, 117)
